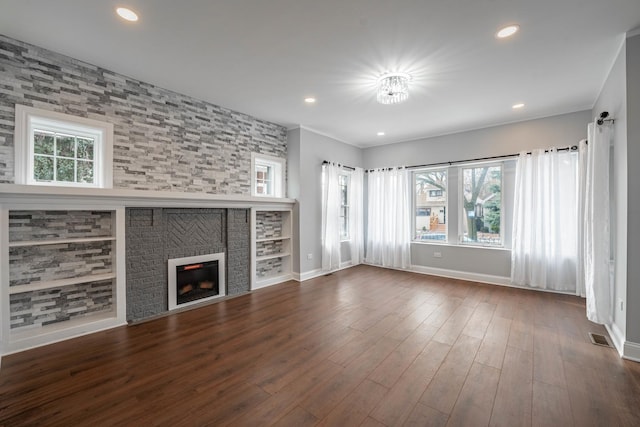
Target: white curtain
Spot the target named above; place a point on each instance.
(330, 217)
(545, 226)
(596, 226)
(389, 218)
(356, 216)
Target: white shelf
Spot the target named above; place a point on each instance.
(60, 241)
(269, 280)
(51, 284)
(80, 321)
(271, 239)
(272, 256)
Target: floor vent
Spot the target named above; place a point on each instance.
(598, 339)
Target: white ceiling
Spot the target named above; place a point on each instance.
(263, 57)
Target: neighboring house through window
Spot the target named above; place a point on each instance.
(481, 207)
(430, 205)
(267, 176)
(58, 149)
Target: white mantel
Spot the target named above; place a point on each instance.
(31, 194)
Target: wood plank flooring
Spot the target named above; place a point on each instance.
(362, 347)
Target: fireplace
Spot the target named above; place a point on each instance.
(193, 280)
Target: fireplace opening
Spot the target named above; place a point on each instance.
(196, 279)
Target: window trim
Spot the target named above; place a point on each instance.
(446, 241)
(347, 175)
(278, 164)
(470, 165)
(27, 118)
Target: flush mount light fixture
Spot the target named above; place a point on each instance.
(310, 100)
(380, 134)
(517, 106)
(507, 31)
(127, 14)
(393, 88)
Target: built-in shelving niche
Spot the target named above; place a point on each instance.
(272, 254)
(60, 274)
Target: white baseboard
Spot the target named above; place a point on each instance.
(464, 275)
(631, 351)
(617, 337)
(301, 277)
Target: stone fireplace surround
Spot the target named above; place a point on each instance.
(155, 235)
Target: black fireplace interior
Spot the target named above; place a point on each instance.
(196, 281)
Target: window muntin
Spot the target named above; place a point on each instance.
(430, 205)
(343, 181)
(481, 207)
(59, 149)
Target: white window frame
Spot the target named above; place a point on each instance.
(415, 206)
(461, 217)
(278, 167)
(27, 119)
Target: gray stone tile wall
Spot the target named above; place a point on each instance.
(162, 140)
(154, 236)
(41, 308)
(60, 261)
(269, 267)
(269, 247)
(268, 224)
(48, 225)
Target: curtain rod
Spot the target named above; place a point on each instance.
(453, 162)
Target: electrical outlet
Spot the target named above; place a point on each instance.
(309, 256)
(437, 254)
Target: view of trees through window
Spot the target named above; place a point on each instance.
(62, 158)
(430, 205)
(344, 207)
(482, 205)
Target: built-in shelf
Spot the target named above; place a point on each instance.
(271, 239)
(60, 241)
(52, 284)
(272, 256)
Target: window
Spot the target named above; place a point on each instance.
(58, 149)
(343, 180)
(267, 175)
(481, 220)
(430, 205)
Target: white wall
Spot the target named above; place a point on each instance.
(613, 99)
(489, 264)
(633, 201)
(312, 150)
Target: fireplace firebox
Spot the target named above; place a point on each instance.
(195, 279)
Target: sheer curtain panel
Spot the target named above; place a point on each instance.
(545, 225)
(330, 217)
(389, 218)
(356, 216)
(596, 227)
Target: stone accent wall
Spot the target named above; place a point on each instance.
(268, 224)
(40, 308)
(162, 140)
(269, 267)
(62, 261)
(155, 235)
(269, 247)
(47, 225)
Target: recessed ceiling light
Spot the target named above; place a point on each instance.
(127, 14)
(310, 100)
(517, 106)
(507, 31)
(380, 133)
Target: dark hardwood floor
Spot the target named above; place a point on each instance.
(364, 346)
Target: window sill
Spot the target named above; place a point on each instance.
(460, 245)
